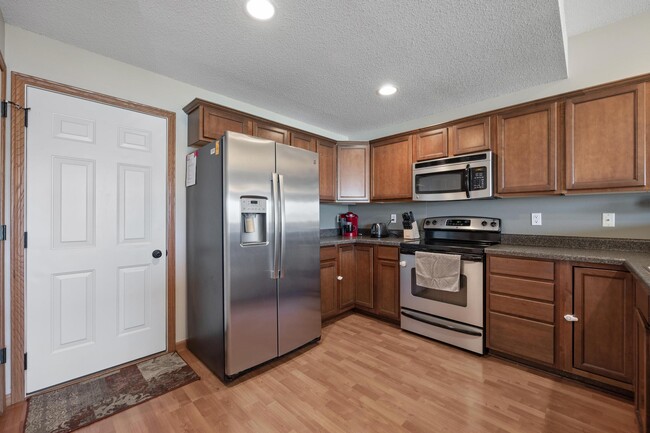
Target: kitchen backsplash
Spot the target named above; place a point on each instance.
(561, 216)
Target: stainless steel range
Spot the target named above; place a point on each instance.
(453, 317)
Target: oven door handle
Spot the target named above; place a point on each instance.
(442, 325)
(468, 173)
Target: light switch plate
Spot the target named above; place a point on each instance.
(609, 220)
(536, 219)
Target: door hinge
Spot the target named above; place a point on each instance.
(3, 232)
(4, 108)
(25, 361)
(3, 355)
(25, 240)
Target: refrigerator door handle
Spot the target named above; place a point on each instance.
(283, 235)
(276, 226)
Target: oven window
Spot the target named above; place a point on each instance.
(455, 298)
(432, 183)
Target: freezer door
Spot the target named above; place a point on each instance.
(250, 293)
(299, 319)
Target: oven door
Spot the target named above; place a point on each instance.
(464, 306)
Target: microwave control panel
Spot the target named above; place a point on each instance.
(478, 178)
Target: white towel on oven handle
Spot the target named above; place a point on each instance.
(437, 271)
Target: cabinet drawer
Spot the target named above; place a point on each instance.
(540, 290)
(543, 270)
(521, 337)
(328, 253)
(522, 307)
(388, 253)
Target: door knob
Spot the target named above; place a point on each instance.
(339, 278)
(156, 254)
(402, 263)
(570, 318)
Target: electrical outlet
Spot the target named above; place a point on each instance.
(536, 219)
(393, 218)
(609, 219)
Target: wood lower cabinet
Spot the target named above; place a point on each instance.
(470, 136)
(527, 150)
(521, 308)
(327, 170)
(303, 141)
(431, 144)
(270, 132)
(353, 172)
(605, 139)
(364, 296)
(387, 282)
(391, 169)
(642, 352)
(603, 302)
(329, 299)
(347, 277)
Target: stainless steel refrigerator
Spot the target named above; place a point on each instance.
(253, 269)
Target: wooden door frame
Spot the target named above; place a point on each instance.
(19, 84)
(3, 306)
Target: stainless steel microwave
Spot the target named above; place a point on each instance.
(456, 178)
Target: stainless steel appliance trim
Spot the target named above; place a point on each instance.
(431, 320)
(283, 217)
(476, 223)
(276, 231)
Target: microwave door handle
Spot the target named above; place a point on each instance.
(467, 175)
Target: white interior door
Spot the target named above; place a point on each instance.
(95, 213)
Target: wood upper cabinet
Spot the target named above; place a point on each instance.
(364, 293)
(347, 277)
(327, 170)
(206, 123)
(303, 141)
(605, 139)
(470, 136)
(603, 342)
(431, 144)
(353, 171)
(391, 168)
(527, 150)
(270, 132)
(328, 282)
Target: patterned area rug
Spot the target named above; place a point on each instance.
(75, 406)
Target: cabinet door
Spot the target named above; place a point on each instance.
(603, 335)
(205, 124)
(431, 144)
(327, 170)
(270, 132)
(470, 136)
(353, 168)
(387, 284)
(328, 289)
(347, 276)
(364, 290)
(641, 370)
(303, 141)
(391, 169)
(527, 141)
(605, 139)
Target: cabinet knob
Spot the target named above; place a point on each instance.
(570, 318)
(402, 264)
(339, 278)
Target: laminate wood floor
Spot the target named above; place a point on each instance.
(368, 376)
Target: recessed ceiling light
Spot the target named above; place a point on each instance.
(260, 9)
(387, 90)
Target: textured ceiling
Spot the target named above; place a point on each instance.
(321, 62)
(585, 15)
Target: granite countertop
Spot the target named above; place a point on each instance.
(636, 261)
(391, 240)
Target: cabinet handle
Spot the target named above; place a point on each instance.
(402, 263)
(570, 318)
(339, 278)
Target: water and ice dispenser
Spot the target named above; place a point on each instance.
(253, 220)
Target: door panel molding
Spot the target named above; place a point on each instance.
(19, 84)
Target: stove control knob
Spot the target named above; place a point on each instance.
(493, 224)
(435, 222)
(427, 223)
(484, 223)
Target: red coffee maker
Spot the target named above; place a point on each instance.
(349, 225)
